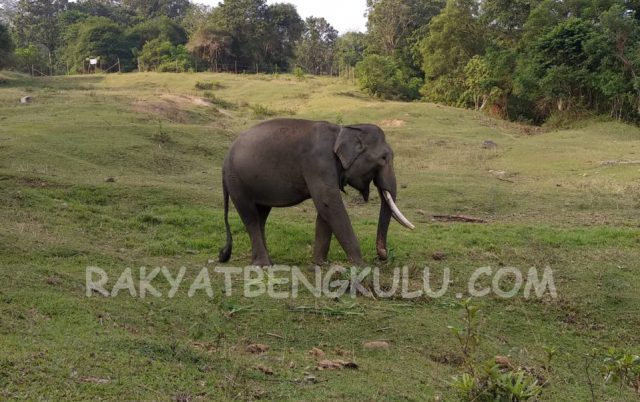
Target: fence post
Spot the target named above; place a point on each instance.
(119, 70)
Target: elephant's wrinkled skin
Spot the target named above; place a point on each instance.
(282, 162)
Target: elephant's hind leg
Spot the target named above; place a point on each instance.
(254, 220)
(264, 211)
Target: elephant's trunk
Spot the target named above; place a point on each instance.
(385, 180)
(383, 227)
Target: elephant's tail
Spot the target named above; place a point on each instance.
(225, 252)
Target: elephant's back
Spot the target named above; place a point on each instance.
(267, 160)
(279, 140)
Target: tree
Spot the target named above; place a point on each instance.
(381, 76)
(111, 9)
(35, 22)
(29, 58)
(391, 23)
(162, 55)
(396, 26)
(505, 19)
(555, 71)
(212, 46)
(316, 49)
(98, 37)
(261, 35)
(245, 21)
(174, 9)
(284, 28)
(8, 9)
(477, 81)
(195, 18)
(158, 28)
(350, 48)
(454, 37)
(6, 46)
(618, 50)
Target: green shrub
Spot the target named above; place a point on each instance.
(298, 72)
(381, 76)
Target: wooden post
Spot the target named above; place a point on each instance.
(119, 70)
(236, 66)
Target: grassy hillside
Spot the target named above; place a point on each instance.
(123, 171)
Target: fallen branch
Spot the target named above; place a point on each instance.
(507, 180)
(621, 162)
(275, 335)
(458, 218)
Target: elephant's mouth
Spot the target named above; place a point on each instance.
(395, 211)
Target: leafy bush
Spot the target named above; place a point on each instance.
(381, 76)
(26, 57)
(494, 383)
(621, 367)
(161, 55)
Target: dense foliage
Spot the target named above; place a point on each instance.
(6, 45)
(518, 59)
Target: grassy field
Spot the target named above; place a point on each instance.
(123, 171)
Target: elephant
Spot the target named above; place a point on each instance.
(282, 162)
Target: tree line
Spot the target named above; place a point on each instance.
(525, 60)
(59, 36)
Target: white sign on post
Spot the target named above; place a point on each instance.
(93, 62)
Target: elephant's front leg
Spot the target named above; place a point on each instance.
(331, 209)
(323, 240)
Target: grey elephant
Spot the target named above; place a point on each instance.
(282, 162)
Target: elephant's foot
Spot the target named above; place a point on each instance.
(357, 262)
(262, 262)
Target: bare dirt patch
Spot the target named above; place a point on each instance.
(187, 100)
(176, 108)
(392, 123)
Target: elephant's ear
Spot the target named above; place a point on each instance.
(348, 145)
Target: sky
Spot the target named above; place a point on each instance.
(343, 15)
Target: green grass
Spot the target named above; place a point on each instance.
(547, 196)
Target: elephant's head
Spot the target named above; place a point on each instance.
(365, 156)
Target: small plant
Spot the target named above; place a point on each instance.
(262, 111)
(161, 136)
(469, 335)
(495, 383)
(298, 73)
(620, 367)
(490, 381)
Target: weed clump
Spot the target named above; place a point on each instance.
(260, 110)
(225, 104)
(208, 85)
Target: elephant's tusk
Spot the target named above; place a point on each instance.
(395, 212)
